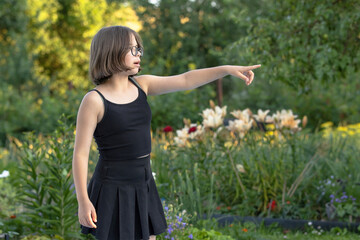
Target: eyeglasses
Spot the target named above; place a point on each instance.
(135, 50)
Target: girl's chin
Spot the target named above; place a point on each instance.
(133, 71)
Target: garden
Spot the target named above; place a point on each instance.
(278, 159)
(254, 165)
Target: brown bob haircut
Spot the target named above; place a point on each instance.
(107, 53)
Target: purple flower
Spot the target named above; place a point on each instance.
(191, 236)
(332, 196)
(166, 208)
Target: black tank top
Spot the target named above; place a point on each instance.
(124, 130)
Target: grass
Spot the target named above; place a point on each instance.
(249, 231)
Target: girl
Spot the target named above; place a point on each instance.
(121, 201)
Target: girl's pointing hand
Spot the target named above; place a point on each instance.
(243, 72)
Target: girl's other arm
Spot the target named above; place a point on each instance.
(155, 85)
(87, 119)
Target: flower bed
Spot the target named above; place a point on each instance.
(259, 165)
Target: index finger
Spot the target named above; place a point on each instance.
(252, 67)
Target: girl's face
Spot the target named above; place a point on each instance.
(132, 61)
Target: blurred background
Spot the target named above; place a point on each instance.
(309, 53)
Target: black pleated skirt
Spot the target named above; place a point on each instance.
(126, 200)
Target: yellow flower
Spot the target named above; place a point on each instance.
(228, 144)
(326, 125)
(270, 126)
(269, 133)
(342, 128)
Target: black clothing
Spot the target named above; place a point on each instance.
(124, 130)
(122, 188)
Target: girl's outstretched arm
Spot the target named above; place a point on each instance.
(155, 85)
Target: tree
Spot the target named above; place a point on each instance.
(300, 42)
(183, 35)
(61, 33)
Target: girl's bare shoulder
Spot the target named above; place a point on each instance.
(92, 100)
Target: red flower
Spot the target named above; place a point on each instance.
(13, 216)
(218, 208)
(272, 205)
(244, 230)
(287, 202)
(168, 129)
(192, 129)
(228, 208)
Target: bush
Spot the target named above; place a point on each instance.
(44, 184)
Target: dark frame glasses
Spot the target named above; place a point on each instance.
(135, 50)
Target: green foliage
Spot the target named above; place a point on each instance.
(180, 36)
(28, 110)
(44, 52)
(300, 43)
(178, 106)
(7, 197)
(45, 185)
(208, 234)
(260, 170)
(61, 33)
(184, 35)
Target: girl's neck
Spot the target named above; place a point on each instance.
(118, 82)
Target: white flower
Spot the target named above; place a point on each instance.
(154, 175)
(309, 223)
(221, 111)
(286, 119)
(242, 115)
(182, 136)
(5, 174)
(183, 133)
(213, 119)
(240, 168)
(261, 116)
(240, 126)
